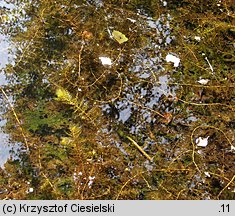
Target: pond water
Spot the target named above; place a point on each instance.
(119, 100)
(4, 146)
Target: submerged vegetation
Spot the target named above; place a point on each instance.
(99, 112)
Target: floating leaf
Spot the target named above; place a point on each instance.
(119, 37)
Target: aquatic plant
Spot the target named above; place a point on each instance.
(102, 114)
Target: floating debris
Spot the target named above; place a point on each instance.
(105, 60)
(203, 142)
(173, 59)
(197, 38)
(203, 81)
(164, 3)
(232, 148)
(211, 68)
(30, 190)
(207, 174)
(132, 20)
(91, 179)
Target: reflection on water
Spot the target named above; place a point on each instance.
(4, 142)
(4, 145)
(6, 57)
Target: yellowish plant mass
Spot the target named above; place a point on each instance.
(63, 95)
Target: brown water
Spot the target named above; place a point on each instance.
(131, 128)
